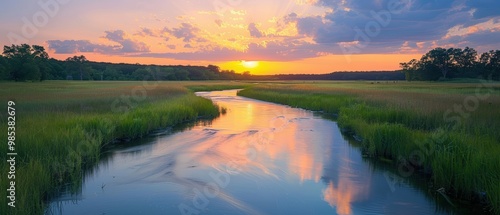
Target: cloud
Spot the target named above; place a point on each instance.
(127, 45)
(390, 23)
(254, 31)
(481, 41)
(219, 22)
(147, 32)
(492, 25)
(238, 12)
(306, 26)
(356, 19)
(343, 27)
(286, 50)
(75, 46)
(187, 32)
(124, 46)
(484, 8)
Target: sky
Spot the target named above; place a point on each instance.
(260, 36)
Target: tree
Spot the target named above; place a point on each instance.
(4, 69)
(168, 73)
(213, 68)
(411, 69)
(466, 58)
(490, 62)
(78, 62)
(39, 52)
(56, 70)
(111, 73)
(439, 58)
(182, 75)
(26, 62)
(139, 74)
(466, 62)
(197, 74)
(31, 71)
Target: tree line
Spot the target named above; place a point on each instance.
(342, 76)
(32, 63)
(442, 64)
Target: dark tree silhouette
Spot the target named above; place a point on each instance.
(491, 64)
(78, 62)
(453, 63)
(26, 62)
(439, 58)
(410, 69)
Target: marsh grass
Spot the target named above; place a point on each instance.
(404, 122)
(62, 127)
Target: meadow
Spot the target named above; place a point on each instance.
(62, 128)
(448, 131)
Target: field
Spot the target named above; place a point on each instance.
(446, 130)
(61, 127)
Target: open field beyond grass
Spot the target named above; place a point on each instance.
(447, 130)
(62, 127)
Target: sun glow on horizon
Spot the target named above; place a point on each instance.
(250, 64)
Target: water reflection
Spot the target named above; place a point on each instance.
(347, 188)
(260, 158)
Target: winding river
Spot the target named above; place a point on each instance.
(258, 158)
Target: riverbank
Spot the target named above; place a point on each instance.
(449, 131)
(62, 127)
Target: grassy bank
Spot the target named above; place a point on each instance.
(62, 127)
(449, 131)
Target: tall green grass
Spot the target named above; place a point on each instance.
(61, 133)
(408, 127)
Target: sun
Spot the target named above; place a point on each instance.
(250, 64)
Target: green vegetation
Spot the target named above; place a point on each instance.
(447, 130)
(442, 64)
(62, 127)
(32, 63)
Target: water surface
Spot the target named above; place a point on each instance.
(259, 158)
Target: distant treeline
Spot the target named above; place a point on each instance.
(376, 75)
(32, 63)
(441, 64)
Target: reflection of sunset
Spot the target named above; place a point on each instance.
(340, 197)
(348, 190)
(254, 150)
(258, 141)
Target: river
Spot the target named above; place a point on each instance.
(258, 158)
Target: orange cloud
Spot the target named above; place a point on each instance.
(491, 25)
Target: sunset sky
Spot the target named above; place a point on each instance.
(261, 36)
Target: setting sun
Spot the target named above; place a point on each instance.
(250, 64)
